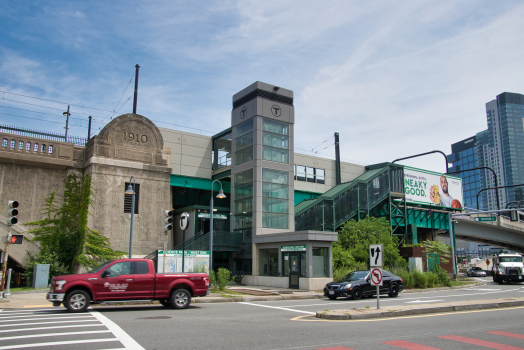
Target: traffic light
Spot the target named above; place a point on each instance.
(168, 220)
(17, 239)
(12, 212)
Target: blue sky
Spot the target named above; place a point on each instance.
(394, 78)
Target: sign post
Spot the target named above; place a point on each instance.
(376, 259)
(184, 223)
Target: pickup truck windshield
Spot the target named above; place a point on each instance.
(95, 270)
(510, 259)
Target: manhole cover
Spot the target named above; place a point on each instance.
(154, 318)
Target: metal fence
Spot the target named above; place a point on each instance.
(81, 141)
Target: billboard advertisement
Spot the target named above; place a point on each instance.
(428, 187)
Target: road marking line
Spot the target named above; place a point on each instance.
(279, 308)
(408, 345)
(423, 301)
(485, 343)
(507, 334)
(3, 311)
(40, 328)
(52, 334)
(34, 323)
(123, 337)
(56, 343)
(39, 317)
(30, 306)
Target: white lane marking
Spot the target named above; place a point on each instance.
(40, 317)
(53, 335)
(280, 308)
(40, 328)
(422, 301)
(3, 311)
(35, 323)
(123, 337)
(57, 343)
(28, 312)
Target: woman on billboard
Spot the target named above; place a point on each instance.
(442, 197)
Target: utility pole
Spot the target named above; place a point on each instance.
(136, 88)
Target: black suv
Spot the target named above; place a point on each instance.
(357, 284)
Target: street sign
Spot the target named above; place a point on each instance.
(485, 218)
(376, 255)
(376, 277)
(184, 221)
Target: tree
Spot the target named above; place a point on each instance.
(64, 232)
(442, 250)
(355, 237)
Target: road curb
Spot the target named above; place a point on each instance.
(360, 314)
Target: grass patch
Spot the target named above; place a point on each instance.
(24, 289)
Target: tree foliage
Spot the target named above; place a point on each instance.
(63, 232)
(355, 237)
(442, 250)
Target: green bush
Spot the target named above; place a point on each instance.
(443, 278)
(420, 279)
(220, 280)
(432, 279)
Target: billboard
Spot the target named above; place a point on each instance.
(428, 187)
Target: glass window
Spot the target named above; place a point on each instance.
(244, 141)
(320, 262)
(12, 144)
(310, 174)
(273, 205)
(275, 127)
(243, 204)
(4, 143)
(301, 173)
(244, 177)
(243, 191)
(28, 146)
(268, 262)
(35, 147)
(275, 190)
(244, 128)
(275, 176)
(274, 140)
(244, 156)
(119, 269)
(320, 175)
(275, 154)
(20, 144)
(50, 149)
(141, 268)
(270, 220)
(222, 151)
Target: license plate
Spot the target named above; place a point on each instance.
(331, 292)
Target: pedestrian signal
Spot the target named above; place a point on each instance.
(17, 239)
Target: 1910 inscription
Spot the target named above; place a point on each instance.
(129, 136)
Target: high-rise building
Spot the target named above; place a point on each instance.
(500, 148)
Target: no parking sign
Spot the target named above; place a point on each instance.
(376, 277)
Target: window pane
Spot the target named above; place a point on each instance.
(275, 176)
(243, 141)
(244, 156)
(272, 205)
(275, 154)
(275, 190)
(270, 220)
(243, 191)
(275, 127)
(320, 262)
(268, 262)
(274, 140)
(310, 172)
(244, 177)
(301, 173)
(244, 128)
(244, 206)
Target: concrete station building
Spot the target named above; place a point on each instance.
(278, 220)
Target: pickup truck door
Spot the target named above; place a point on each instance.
(115, 282)
(143, 280)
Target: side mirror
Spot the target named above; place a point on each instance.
(105, 274)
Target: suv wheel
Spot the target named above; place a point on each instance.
(77, 301)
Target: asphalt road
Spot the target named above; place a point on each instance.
(284, 324)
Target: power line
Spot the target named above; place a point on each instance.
(115, 109)
(27, 110)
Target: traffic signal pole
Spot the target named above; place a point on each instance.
(4, 265)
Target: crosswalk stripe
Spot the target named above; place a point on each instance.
(35, 323)
(51, 335)
(22, 346)
(40, 328)
(485, 343)
(407, 345)
(123, 337)
(29, 317)
(507, 334)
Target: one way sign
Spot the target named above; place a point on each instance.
(376, 255)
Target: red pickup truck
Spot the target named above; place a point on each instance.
(125, 280)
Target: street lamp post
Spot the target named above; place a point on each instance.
(131, 191)
(219, 195)
(67, 114)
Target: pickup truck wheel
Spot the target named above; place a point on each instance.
(77, 301)
(165, 302)
(180, 299)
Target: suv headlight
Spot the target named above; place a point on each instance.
(60, 284)
(346, 287)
